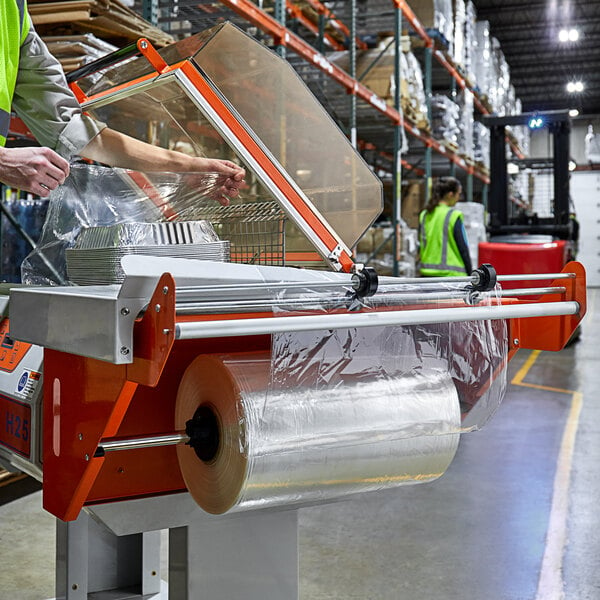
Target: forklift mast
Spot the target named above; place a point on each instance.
(501, 222)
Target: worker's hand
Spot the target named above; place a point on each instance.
(35, 170)
(229, 181)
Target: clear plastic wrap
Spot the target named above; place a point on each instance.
(473, 353)
(288, 441)
(329, 414)
(95, 196)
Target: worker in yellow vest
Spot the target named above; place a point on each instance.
(444, 247)
(33, 84)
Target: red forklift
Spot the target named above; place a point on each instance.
(531, 224)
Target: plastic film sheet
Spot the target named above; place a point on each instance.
(96, 196)
(472, 353)
(283, 444)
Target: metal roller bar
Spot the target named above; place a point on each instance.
(142, 442)
(533, 291)
(536, 277)
(330, 302)
(322, 303)
(269, 325)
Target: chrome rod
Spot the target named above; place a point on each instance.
(260, 285)
(536, 276)
(142, 442)
(268, 325)
(533, 291)
(320, 303)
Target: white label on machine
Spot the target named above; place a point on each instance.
(27, 384)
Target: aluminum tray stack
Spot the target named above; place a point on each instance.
(96, 257)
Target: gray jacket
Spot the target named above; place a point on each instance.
(45, 103)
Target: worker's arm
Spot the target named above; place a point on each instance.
(118, 150)
(460, 236)
(50, 110)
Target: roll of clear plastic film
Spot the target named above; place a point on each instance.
(255, 445)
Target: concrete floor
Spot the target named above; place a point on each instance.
(516, 516)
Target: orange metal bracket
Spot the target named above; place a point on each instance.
(552, 333)
(152, 56)
(154, 335)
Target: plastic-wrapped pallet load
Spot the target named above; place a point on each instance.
(375, 68)
(465, 123)
(474, 220)
(470, 42)
(482, 65)
(445, 115)
(460, 18)
(436, 15)
(592, 146)
(481, 144)
(500, 80)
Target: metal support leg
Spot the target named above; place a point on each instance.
(90, 559)
(248, 557)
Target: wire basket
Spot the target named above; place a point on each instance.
(255, 230)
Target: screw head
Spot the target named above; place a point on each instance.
(124, 350)
(157, 308)
(165, 290)
(87, 457)
(80, 436)
(516, 342)
(125, 311)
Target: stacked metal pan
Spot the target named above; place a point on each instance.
(96, 257)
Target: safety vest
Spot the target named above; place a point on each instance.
(439, 253)
(14, 27)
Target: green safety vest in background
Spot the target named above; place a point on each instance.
(439, 253)
(14, 27)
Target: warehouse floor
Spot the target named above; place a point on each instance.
(516, 516)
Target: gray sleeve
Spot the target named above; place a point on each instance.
(46, 104)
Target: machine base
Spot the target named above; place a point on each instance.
(112, 552)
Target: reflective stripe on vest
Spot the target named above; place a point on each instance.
(14, 27)
(443, 247)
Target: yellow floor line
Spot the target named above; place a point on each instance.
(550, 583)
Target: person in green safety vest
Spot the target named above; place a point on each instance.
(32, 83)
(444, 248)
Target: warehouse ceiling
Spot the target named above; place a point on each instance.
(528, 30)
(541, 65)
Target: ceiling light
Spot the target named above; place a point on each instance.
(573, 112)
(575, 86)
(568, 35)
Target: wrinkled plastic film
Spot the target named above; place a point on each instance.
(472, 353)
(96, 196)
(283, 444)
